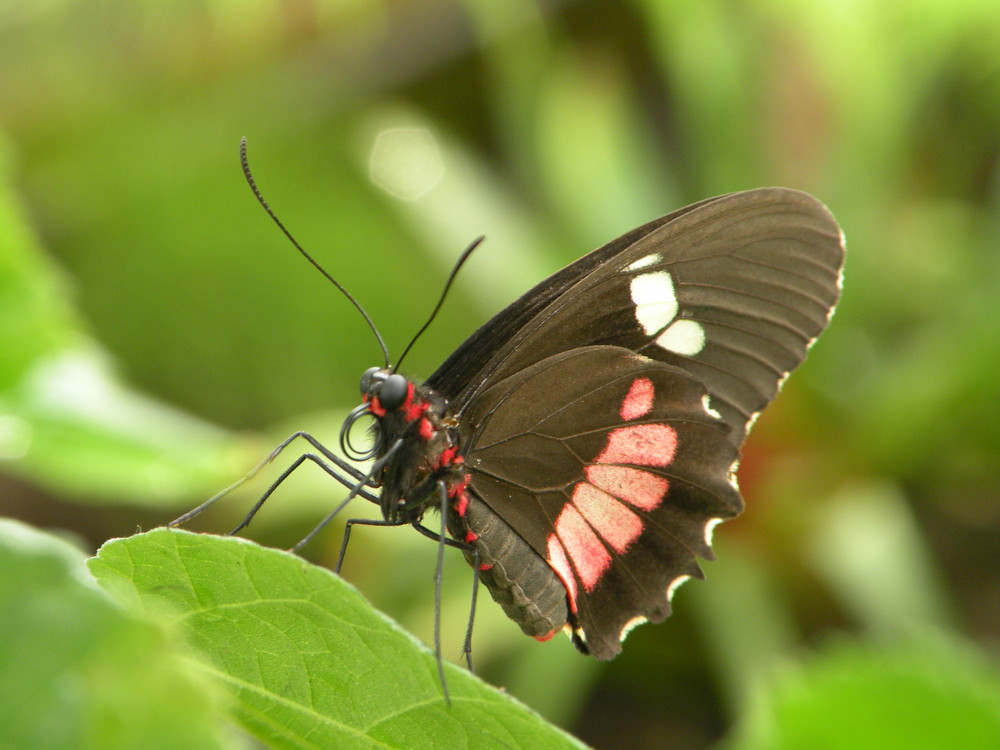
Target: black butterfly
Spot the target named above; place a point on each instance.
(583, 443)
(586, 438)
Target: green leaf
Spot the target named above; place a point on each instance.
(76, 671)
(309, 663)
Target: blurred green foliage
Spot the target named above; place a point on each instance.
(77, 671)
(158, 335)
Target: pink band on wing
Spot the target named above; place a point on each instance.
(639, 399)
(560, 564)
(590, 557)
(641, 444)
(610, 518)
(636, 487)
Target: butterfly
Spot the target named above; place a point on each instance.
(584, 442)
(582, 445)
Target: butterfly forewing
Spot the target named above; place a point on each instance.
(457, 377)
(732, 290)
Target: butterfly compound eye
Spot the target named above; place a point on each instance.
(393, 392)
(366, 379)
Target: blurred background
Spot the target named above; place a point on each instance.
(158, 336)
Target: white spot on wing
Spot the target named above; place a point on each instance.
(840, 273)
(676, 584)
(632, 625)
(732, 475)
(683, 337)
(706, 404)
(709, 528)
(649, 260)
(654, 299)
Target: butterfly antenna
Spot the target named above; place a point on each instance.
(253, 186)
(444, 293)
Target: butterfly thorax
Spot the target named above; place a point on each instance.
(429, 460)
(427, 456)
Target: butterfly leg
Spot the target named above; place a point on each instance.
(445, 541)
(437, 577)
(467, 646)
(327, 454)
(356, 489)
(347, 535)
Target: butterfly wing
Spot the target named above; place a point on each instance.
(615, 478)
(602, 412)
(733, 290)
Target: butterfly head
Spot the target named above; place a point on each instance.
(385, 390)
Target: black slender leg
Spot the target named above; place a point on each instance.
(437, 537)
(356, 489)
(347, 535)
(331, 457)
(438, 577)
(476, 562)
(467, 646)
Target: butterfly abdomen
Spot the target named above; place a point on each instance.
(518, 579)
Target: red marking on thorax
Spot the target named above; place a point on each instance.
(458, 489)
(410, 409)
(414, 411)
(375, 407)
(447, 457)
(639, 399)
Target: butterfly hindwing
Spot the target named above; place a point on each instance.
(609, 466)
